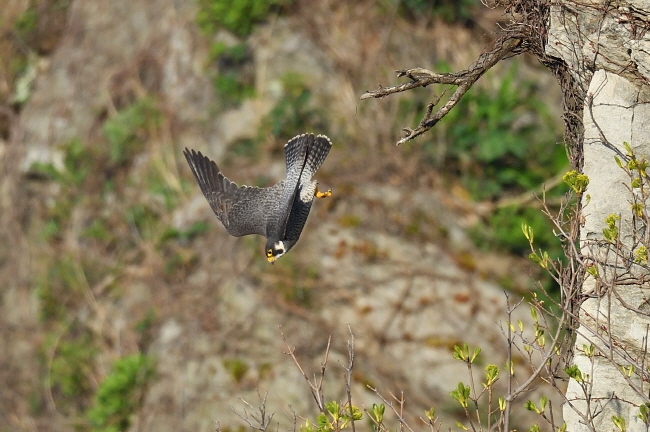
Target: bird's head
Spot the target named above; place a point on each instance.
(274, 250)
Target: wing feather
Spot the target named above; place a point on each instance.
(242, 210)
(317, 150)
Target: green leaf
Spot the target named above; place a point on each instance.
(543, 402)
(321, 420)
(530, 406)
(575, 373)
(592, 269)
(477, 351)
(491, 374)
(357, 414)
(619, 422)
(334, 409)
(618, 162)
(461, 394)
(628, 149)
(461, 354)
(644, 413)
(378, 412)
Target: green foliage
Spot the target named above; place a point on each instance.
(576, 181)
(462, 353)
(338, 417)
(575, 373)
(246, 148)
(531, 406)
(144, 218)
(644, 413)
(610, 232)
(70, 177)
(619, 422)
(125, 130)
(71, 367)
(237, 367)
(502, 141)
(294, 112)
(502, 230)
(26, 23)
(232, 83)
(461, 394)
(641, 255)
(451, 11)
(238, 16)
(491, 375)
(184, 236)
(59, 289)
(75, 165)
(119, 395)
(377, 414)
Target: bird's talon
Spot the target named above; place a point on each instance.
(319, 194)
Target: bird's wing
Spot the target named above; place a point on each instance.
(317, 150)
(296, 154)
(295, 151)
(242, 210)
(299, 211)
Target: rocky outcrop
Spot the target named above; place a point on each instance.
(605, 46)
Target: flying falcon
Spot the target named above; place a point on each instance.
(278, 212)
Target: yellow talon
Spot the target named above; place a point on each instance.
(319, 194)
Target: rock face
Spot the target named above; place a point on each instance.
(606, 39)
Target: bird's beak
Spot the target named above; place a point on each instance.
(271, 259)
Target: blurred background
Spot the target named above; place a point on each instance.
(124, 303)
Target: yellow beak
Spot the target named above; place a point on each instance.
(271, 259)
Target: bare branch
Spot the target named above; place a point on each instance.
(506, 46)
(260, 421)
(317, 386)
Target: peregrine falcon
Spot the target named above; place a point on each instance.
(278, 212)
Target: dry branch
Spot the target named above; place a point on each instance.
(506, 46)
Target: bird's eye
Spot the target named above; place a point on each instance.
(269, 252)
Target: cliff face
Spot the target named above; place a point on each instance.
(606, 50)
(111, 251)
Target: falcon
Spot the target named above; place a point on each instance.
(278, 212)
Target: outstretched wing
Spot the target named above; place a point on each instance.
(242, 210)
(299, 211)
(317, 150)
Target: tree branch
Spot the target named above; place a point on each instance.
(506, 46)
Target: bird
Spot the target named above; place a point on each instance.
(278, 212)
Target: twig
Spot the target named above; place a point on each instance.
(261, 421)
(348, 375)
(504, 47)
(399, 414)
(317, 386)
